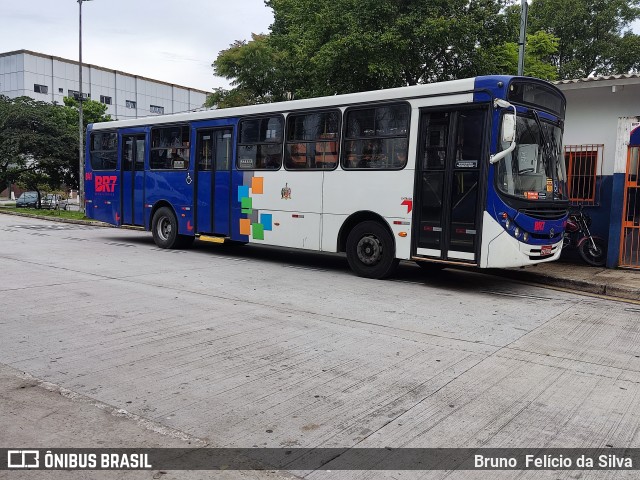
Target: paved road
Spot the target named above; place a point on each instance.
(255, 346)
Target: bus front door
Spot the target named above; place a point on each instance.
(214, 148)
(449, 170)
(132, 164)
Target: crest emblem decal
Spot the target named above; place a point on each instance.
(286, 192)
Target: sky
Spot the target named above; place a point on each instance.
(174, 41)
(170, 40)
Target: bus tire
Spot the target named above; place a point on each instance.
(165, 228)
(370, 251)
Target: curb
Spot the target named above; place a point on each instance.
(93, 223)
(580, 285)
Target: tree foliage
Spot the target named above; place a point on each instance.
(541, 46)
(327, 47)
(593, 35)
(39, 141)
(254, 70)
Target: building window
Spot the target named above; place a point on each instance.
(40, 88)
(376, 138)
(156, 109)
(76, 94)
(170, 148)
(260, 143)
(130, 104)
(312, 140)
(104, 99)
(61, 90)
(582, 171)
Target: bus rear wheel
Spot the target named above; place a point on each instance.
(370, 251)
(165, 228)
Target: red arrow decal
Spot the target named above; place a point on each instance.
(409, 204)
(189, 226)
(117, 217)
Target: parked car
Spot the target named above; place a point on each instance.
(70, 204)
(27, 200)
(51, 201)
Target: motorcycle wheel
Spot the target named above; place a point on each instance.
(596, 256)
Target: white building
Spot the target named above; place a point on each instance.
(602, 147)
(49, 78)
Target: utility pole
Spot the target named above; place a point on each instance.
(80, 123)
(524, 8)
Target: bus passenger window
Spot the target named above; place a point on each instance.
(260, 143)
(377, 138)
(312, 141)
(104, 151)
(170, 149)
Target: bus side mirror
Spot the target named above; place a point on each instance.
(508, 128)
(508, 132)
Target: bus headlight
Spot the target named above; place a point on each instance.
(517, 232)
(507, 224)
(525, 237)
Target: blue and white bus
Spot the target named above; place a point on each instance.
(467, 172)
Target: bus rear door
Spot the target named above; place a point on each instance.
(448, 187)
(133, 156)
(213, 160)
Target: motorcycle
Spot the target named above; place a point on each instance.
(592, 249)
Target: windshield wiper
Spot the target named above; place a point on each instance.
(543, 137)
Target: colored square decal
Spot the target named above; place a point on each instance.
(246, 203)
(266, 219)
(257, 185)
(258, 231)
(243, 192)
(245, 226)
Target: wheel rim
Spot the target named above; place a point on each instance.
(596, 252)
(164, 228)
(369, 250)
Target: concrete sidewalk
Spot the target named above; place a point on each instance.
(620, 283)
(39, 414)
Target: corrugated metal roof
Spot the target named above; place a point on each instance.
(601, 78)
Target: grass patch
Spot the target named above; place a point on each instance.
(35, 212)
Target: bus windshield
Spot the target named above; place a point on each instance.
(535, 170)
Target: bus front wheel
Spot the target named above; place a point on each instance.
(370, 251)
(165, 228)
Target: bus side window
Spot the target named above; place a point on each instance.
(376, 138)
(104, 151)
(170, 149)
(312, 140)
(260, 143)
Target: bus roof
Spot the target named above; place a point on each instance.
(466, 85)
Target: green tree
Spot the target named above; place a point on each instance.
(39, 141)
(236, 97)
(253, 68)
(591, 33)
(341, 46)
(323, 47)
(34, 143)
(541, 46)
